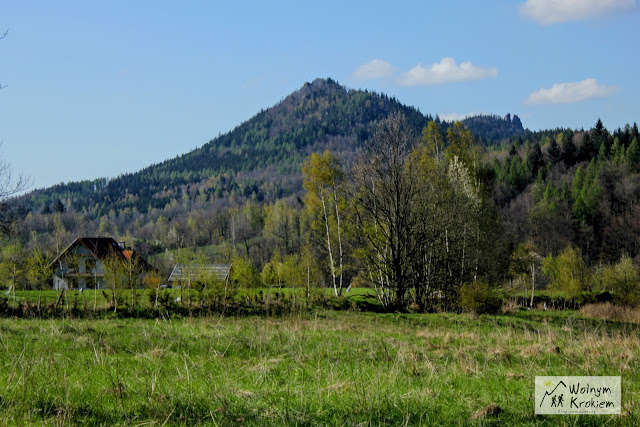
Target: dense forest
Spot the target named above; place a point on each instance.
(485, 203)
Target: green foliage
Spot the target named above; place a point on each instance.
(521, 260)
(567, 272)
(553, 151)
(243, 274)
(242, 193)
(272, 271)
(38, 272)
(461, 144)
(259, 159)
(433, 140)
(423, 225)
(12, 266)
(480, 298)
(622, 279)
(633, 155)
(326, 203)
(494, 128)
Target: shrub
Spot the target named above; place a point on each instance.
(621, 279)
(479, 297)
(567, 272)
(608, 311)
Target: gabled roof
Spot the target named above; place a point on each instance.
(101, 248)
(195, 271)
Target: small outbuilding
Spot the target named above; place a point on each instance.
(184, 274)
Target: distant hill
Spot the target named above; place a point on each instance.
(260, 159)
(492, 128)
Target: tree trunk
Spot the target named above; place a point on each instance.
(335, 201)
(331, 265)
(533, 283)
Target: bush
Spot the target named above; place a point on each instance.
(621, 281)
(608, 311)
(164, 298)
(478, 297)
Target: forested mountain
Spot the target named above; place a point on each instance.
(483, 199)
(259, 159)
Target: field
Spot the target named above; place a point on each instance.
(323, 367)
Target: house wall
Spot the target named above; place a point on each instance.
(59, 283)
(80, 261)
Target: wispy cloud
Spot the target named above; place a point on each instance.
(453, 117)
(445, 71)
(547, 12)
(373, 70)
(567, 93)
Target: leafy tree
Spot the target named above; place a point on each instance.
(622, 279)
(433, 140)
(153, 281)
(116, 277)
(461, 145)
(282, 224)
(243, 274)
(323, 179)
(523, 265)
(423, 224)
(272, 271)
(12, 267)
(37, 270)
(627, 282)
(567, 272)
(386, 195)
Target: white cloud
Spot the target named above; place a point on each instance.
(373, 70)
(453, 117)
(547, 12)
(566, 93)
(446, 71)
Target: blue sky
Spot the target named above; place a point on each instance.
(97, 89)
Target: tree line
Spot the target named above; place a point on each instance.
(429, 220)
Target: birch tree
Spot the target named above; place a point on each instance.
(323, 180)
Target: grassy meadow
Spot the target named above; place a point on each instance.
(319, 368)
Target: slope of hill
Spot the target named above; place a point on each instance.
(259, 159)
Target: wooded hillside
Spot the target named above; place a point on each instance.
(538, 194)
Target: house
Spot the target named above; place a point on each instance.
(82, 264)
(185, 274)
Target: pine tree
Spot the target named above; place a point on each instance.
(535, 159)
(568, 150)
(554, 152)
(633, 155)
(58, 207)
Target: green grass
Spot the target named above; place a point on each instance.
(88, 298)
(324, 368)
